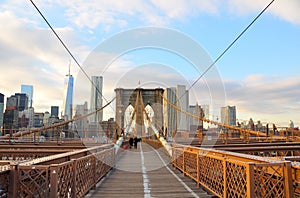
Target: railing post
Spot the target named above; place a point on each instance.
(198, 170)
(114, 160)
(13, 181)
(183, 165)
(74, 180)
(173, 157)
(224, 177)
(95, 171)
(53, 180)
(250, 179)
(288, 181)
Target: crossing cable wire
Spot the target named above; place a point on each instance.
(69, 52)
(229, 46)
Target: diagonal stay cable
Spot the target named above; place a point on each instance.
(67, 49)
(229, 46)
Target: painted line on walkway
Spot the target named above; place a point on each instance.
(180, 180)
(147, 193)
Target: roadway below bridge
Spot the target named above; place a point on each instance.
(146, 172)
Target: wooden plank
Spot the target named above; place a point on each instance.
(128, 179)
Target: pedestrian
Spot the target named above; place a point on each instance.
(135, 141)
(130, 142)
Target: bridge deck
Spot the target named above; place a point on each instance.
(145, 172)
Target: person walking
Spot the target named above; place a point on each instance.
(130, 142)
(135, 141)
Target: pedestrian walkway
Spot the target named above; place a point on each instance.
(146, 172)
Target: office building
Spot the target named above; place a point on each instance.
(82, 125)
(96, 99)
(54, 111)
(205, 109)
(206, 114)
(11, 114)
(169, 113)
(182, 101)
(22, 101)
(195, 123)
(28, 90)
(29, 115)
(68, 97)
(23, 121)
(46, 117)
(38, 120)
(228, 115)
(1, 109)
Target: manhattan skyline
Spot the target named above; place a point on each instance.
(260, 72)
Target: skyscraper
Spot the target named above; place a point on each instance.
(96, 98)
(54, 111)
(228, 115)
(22, 101)
(182, 101)
(206, 112)
(170, 113)
(1, 109)
(197, 111)
(11, 114)
(28, 89)
(68, 96)
(81, 124)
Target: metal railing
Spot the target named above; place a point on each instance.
(227, 174)
(70, 174)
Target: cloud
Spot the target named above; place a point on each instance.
(184, 8)
(32, 55)
(270, 98)
(108, 14)
(286, 10)
(111, 14)
(92, 14)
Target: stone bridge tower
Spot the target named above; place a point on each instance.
(125, 97)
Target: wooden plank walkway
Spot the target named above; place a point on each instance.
(146, 172)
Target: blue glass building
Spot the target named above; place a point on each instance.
(96, 98)
(1, 109)
(68, 97)
(28, 90)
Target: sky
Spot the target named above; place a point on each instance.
(154, 43)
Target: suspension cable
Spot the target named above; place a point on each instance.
(226, 49)
(257, 133)
(61, 123)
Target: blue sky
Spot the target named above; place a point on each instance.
(260, 73)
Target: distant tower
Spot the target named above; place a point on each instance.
(291, 124)
(182, 101)
(1, 109)
(54, 111)
(68, 96)
(228, 115)
(96, 98)
(11, 114)
(82, 125)
(28, 90)
(169, 113)
(22, 101)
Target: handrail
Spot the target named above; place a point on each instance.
(221, 171)
(67, 155)
(65, 173)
